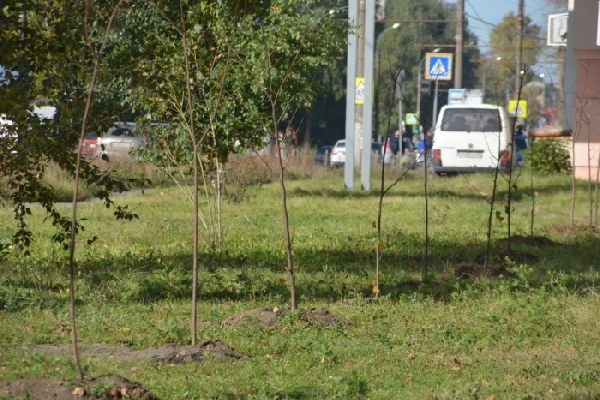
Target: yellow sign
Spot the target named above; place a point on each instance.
(411, 119)
(518, 108)
(359, 90)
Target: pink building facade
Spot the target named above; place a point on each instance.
(582, 87)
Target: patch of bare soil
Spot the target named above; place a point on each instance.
(270, 316)
(169, 353)
(101, 387)
(113, 386)
(319, 316)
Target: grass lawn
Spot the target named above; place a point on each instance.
(529, 328)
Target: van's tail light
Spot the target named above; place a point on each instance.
(333, 151)
(437, 153)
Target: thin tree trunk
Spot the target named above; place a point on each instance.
(88, 103)
(509, 199)
(379, 246)
(196, 160)
(532, 192)
(596, 189)
(286, 230)
(426, 266)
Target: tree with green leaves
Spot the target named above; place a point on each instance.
(500, 80)
(279, 58)
(50, 70)
(221, 75)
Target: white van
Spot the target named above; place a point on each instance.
(472, 138)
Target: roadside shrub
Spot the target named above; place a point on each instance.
(242, 172)
(548, 156)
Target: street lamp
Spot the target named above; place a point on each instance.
(393, 27)
(437, 49)
(484, 78)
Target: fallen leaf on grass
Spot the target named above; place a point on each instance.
(78, 391)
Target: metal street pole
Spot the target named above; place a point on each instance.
(419, 90)
(460, 6)
(365, 165)
(350, 96)
(437, 49)
(400, 96)
(435, 105)
(519, 80)
(360, 73)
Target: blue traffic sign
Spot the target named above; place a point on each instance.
(438, 66)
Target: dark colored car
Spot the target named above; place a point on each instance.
(320, 156)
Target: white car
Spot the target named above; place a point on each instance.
(122, 139)
(8, 132)
(338, 153)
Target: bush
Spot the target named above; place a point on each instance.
(243, 172)
(548, 156)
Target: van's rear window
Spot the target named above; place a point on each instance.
(472, 119)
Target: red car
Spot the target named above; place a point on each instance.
(90, 145)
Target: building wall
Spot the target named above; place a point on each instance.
(586, 103)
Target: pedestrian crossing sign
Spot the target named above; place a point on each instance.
(438, 66)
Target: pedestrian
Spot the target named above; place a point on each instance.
(395, 142)
(421, 148)
(407, 142)
(428, 141)
(520, 144)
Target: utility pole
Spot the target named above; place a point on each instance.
(460, 7)
(350, 96)
(519, 66)
(360, 73)
(367, 137)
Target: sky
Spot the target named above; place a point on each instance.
(483, 15)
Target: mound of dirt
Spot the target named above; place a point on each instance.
(109, 386)
(270, 316)
(101, 387)
(170, 353)
(206, 350)
(535, 241)
(319, 316)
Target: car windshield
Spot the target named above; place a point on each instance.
(122, 132)
(471, 119)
